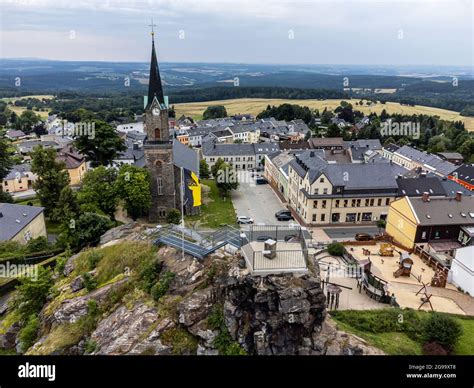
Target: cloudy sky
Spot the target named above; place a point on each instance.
(373, 32)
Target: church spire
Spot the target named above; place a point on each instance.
(154, 87)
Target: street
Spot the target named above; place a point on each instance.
(257, 201)
(348, 232)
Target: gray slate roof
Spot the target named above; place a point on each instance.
(185, 157)
(15, 218)
(444, 211)
(433, 161)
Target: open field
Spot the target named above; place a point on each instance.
(256, 105)
(20, 109)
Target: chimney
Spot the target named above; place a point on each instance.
(311, 154)
(426, 196)
(459, 196)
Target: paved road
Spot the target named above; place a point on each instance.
(257, 201)
(348, 232)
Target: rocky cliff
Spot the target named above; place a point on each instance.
(209, 308)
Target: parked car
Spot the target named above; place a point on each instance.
(283, 215)
(261, 181)
(264, 238)
(363, 237)
(244, 220)
(289, 237)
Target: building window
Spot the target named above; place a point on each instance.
(325, 191)
(366, 216)
(358, 203)
(323, 217)
(314, 217)
(345, 202)
(423, 235)
(366, 202)
(353, 203)
(387, 201)
(337, 203)
(350, 217)
(159, 184)
(324, 204)
(316, 191)
(379, 202)
(371, 202)
(315, 204)
(321, 180)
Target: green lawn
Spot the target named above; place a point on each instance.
(215, 210)
(391, 343)
(369, 326)
(465, 345)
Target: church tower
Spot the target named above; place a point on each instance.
(158, 146)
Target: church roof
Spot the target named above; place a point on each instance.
(185, 157)
(155, 88)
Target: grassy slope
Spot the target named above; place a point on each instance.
(256, 105)
(395, 343)
(214, 211)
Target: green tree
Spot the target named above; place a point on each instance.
(333, 131)
(336, 249)
(52, 177)
(101, 148)
(133, 186)
(67, 207)
(443, 330)
(214, 112)
(86, 230)
(203, 169)
(99, 190)
(226, 178)
(27, 120)
(216, 166)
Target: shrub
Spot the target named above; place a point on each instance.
(90, 346)
(162, 287)
(39, 244)
(89, 282)
(434, 349)
(93, 259)
(32, 294)
(173, 217)
(149, 274)
(29, 332)
(223, 341)
(443, 330)
(336, 249)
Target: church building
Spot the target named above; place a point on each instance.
(174, 167)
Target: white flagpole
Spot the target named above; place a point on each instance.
(182, 208)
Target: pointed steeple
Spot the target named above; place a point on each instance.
(154, 87)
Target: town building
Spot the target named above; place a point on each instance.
(429, 220)
(464, 175)
(411, 158)
(323, 193)
(240, 156)
(452, 157)
(20, 178)
(462, 269)
(75, 164)
(169, 162)
(21, 223)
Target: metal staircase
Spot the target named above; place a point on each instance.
(200, 248)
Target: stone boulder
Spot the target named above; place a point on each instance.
(195, 308)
